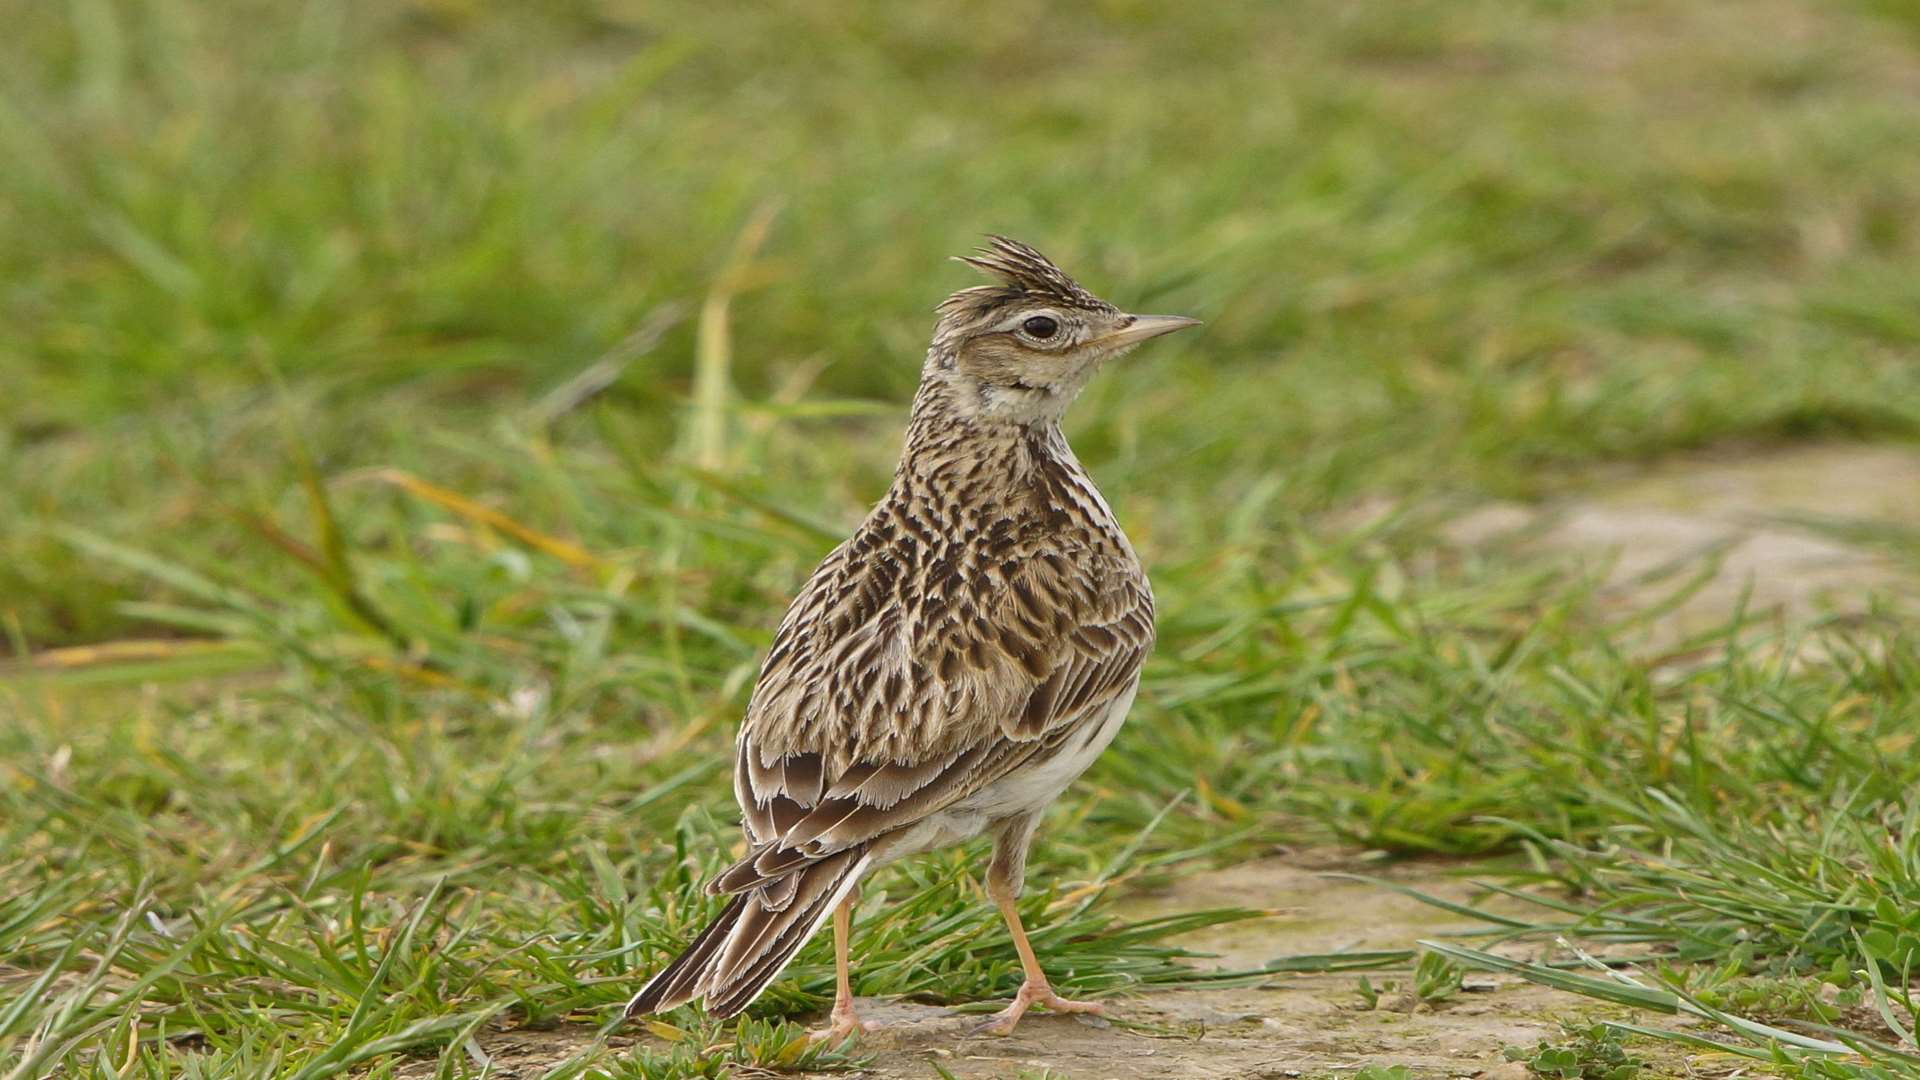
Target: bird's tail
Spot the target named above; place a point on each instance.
(753, 938)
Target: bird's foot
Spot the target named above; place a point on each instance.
(842, 1024)
(1035, 993)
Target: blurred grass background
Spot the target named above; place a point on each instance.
(297, 302)
(1469, 246)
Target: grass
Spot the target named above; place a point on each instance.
(416, 415)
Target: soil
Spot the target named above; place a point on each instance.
(1294, 1026)
(1785, 535)
(1307, 1026)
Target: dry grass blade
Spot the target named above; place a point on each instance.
(460, 505)
(713, 356)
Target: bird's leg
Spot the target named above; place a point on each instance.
(1006, 878)
(842, 1021)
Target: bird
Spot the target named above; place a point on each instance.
(954, 665)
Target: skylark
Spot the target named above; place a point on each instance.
(952, 666)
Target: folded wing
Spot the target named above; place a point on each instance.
(870, 716)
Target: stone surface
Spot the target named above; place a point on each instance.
(1784, 535)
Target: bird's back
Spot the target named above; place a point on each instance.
(991, 562)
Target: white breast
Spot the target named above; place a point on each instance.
(1036, 786)
(1024, 791)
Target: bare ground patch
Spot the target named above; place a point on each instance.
(1783, 534)
(1293, 1026)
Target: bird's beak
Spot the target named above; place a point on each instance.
(1141, 327)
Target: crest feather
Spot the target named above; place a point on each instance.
(1024, 274)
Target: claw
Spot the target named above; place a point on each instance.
(1031, 994)
(843, 1024)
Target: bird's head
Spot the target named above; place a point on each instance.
(1020, 350)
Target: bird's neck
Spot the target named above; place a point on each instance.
(948, 441)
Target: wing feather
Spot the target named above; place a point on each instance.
(908, 675)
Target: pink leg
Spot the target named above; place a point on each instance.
(843, 1021)
(1035, 990)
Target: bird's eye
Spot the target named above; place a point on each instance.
(1040, 326)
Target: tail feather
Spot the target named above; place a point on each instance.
(749, 943)
(678, 982)
(747, 983)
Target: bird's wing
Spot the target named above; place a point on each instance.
(871, 714)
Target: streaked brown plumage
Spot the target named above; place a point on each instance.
(953, 665)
